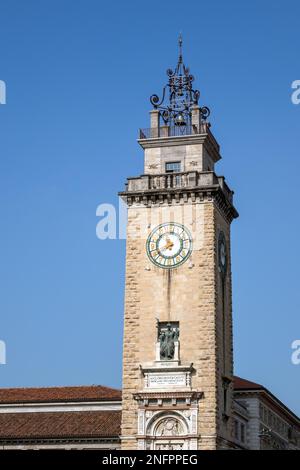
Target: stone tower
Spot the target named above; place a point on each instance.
(177, 356)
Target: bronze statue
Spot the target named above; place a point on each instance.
(167, 340)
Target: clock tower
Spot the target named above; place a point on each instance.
(177, 354)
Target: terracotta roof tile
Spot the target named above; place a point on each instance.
(59, 394)
(73, 424)
(243, 384)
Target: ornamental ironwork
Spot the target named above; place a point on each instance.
(179, 96)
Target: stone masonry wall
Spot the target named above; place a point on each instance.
(188, 294)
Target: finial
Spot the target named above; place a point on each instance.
(177, 111)
(180, 47)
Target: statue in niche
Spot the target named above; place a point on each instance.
(167, 338)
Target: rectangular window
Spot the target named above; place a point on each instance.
(224, 399)
(242, 432)
(261, 411)
(236, 429)
(173, 167)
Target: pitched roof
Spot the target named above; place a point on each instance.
(83, 393)
(59, 394)
(243, 384)
(75, 424)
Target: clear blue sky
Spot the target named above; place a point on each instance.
(79, 76)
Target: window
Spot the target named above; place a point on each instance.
(173, 167)
(261, 411)
(236, 429)
(225, 399)
(242, 432)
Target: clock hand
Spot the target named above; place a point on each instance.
(168, 246)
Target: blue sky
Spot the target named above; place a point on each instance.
(79, 76)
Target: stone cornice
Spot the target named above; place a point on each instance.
(145, 368)
(171, 394)
(153, 197)
(206, 139)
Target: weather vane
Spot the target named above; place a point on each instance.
(182, 96)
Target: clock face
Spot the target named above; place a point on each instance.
(222, 253)
(169, 245)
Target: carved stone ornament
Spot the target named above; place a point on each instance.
(169, 427)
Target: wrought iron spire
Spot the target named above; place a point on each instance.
(177, 108)
(180, 47)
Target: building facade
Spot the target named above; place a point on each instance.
(89, 417)
(266, 423)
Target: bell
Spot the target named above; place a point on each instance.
(179, 91)
(179, 120)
